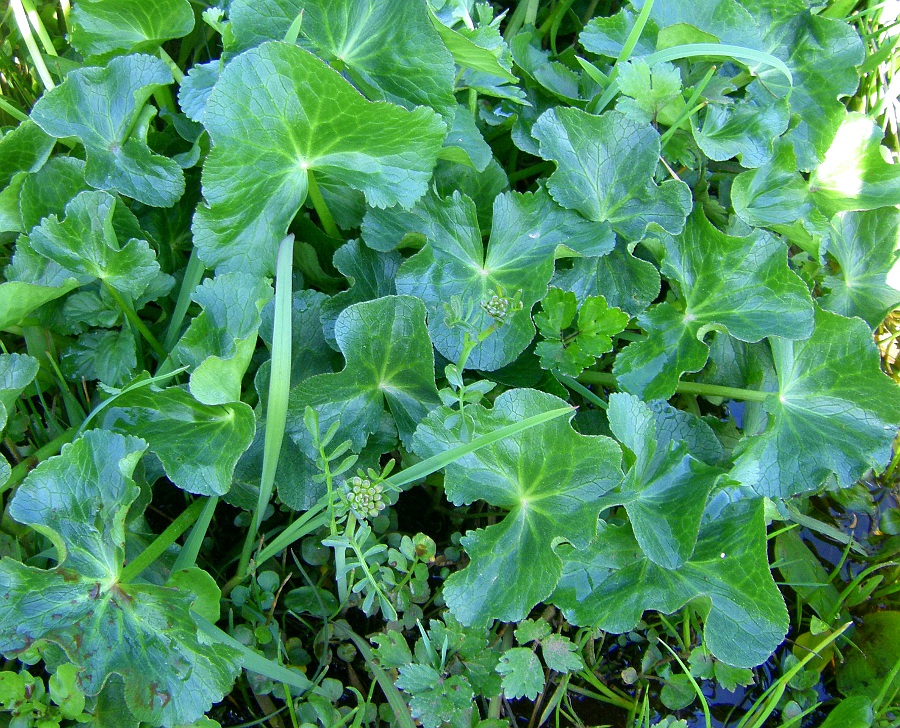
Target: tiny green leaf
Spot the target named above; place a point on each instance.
(522, 673)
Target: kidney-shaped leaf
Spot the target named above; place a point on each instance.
(389, 359)
(865, 245)
(198, 444)
(742, 285)
(527, 228)
(548, 477)
(144, 633)
(834, 412)
(85, 243)
(389, 48)
(278, 113)
(665, 491)
(99, 106)
(605, 168)
(611, 583)
(101, 26)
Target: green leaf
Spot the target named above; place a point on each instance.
(286, 100)
(198, 444)
(100, 107)
(86, 245)
(551, 75)
(19, 299)
(561, 654)
(865, 671)
(522, 673)
(834, 412)
(435, 700)
(773, 194)
(746, 130)
(647, 89)
(864, 244)
(529, 630)
(854, 712)
(142, 632)
(666, 490)
(389, 359)
(822, 55)
(611, 583)
(370, 275)
(605, 169)
(106, 355)
(102, 26)
(17, 371)
(469, 54)
(802, 571)
(740, 285)
(854, 174)
(606, 36)
(221, 340)
(626, 282)
(571, 353)
(392, 53)
(50, 189)
(24, 149)
(549, 479)
(527, 229)
(465, 138)
(310, 353)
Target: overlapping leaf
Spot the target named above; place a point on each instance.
(665, 491)
(102, 26)
(865, 246)
(527, 228)
(142, 632)
(85, 244)
(278, 113)
(391, 52)
(389, 360)
(854, 174)
(611, 583)
(549, 478)
(100, 107)
(197, 444)
(741, 285)
(834, 412)
(605, 170)
(220, 341)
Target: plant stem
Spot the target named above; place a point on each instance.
(315, 194)
(607, 379)
(49, 450)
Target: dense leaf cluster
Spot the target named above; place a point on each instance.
(671, 201)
